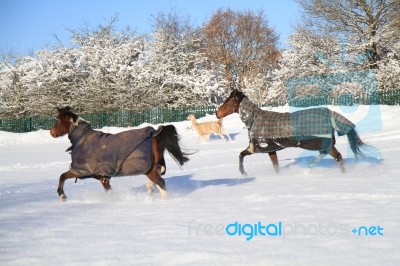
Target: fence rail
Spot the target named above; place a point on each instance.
(383, 98)
(156, 116)
(118, 119)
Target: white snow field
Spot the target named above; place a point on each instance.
(213, 216)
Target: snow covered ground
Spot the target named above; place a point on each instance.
(309, 214)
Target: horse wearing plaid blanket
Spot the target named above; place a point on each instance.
(310, 129)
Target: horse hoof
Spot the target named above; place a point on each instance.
(63, 197)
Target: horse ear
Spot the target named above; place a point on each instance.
(68, 110)
(64, 109)
(239, 93)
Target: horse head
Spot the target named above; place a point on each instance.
(231, 104)
(64, 120)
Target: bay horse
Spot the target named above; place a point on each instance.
(310, 129)
(101, 155)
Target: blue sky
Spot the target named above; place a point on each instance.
(30, 25)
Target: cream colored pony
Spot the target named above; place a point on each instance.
(205, 129)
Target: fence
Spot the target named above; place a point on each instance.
(118, 119)
(383, 98)
(157, 116)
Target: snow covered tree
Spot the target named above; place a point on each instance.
(389, 69)
(110, 61)
(339, 41)
(316, 65)
(371, 24)
(177, 67)
(13, 96)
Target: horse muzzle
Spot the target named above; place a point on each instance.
(53, 133)
(222, 113)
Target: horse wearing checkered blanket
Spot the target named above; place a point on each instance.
(310, 129)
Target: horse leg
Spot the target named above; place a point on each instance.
(161, 166)
(150, 187)
(224, 133)
(60, 189)
(221, 135)
(247, 151)
(157, 169)
(274, 159)
(317, 158)
(338, 157)
(155, 178)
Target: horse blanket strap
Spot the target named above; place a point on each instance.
(272, 127)
(95, 153)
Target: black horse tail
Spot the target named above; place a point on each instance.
(343, 125)
(356, 143)
(168, 138)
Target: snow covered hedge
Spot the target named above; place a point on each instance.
(108, 71)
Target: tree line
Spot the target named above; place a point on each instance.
(182, 65)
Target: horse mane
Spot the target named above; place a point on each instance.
(240, 94)
(67, 110)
